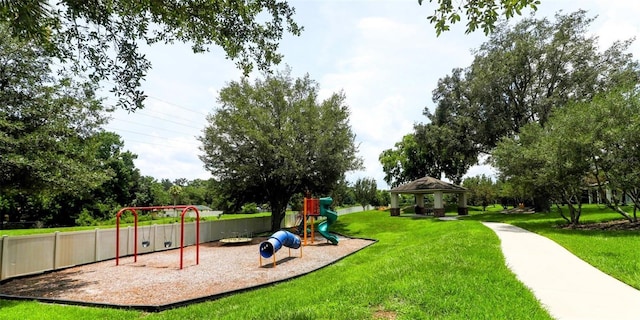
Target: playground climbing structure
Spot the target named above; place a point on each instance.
(314, 208)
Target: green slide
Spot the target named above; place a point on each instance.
(332, 216)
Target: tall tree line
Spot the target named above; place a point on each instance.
(521, 75)
(56, 161)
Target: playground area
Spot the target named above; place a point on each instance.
(155, 281)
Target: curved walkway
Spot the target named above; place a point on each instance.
(567, 287)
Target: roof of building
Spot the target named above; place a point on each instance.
(428, 185)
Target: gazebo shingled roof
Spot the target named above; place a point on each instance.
(428, 185)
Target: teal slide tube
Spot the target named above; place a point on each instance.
(276, 241)
(332, 216)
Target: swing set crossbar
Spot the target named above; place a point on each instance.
(185, 209)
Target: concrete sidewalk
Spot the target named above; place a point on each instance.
(567, 287)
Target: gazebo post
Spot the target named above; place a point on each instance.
(438, 207)
(395, 207)
(420, 203)
(463, 210)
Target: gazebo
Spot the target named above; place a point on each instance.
(429, 185)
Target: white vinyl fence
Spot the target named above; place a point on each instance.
(351, 210)
(33, 254)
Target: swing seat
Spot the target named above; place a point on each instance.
(167, 244)
(146, 243)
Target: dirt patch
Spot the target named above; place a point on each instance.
(156, 279)
(384, 314)
(608, 225)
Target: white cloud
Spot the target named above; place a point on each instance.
(388, 72)
(383, 54)
(170, 158)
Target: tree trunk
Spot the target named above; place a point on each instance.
(562, 213)
(278, 211)
(572, 214)
(541, 204)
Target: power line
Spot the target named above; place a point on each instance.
(189, 123)
(172, 146)
(176, 105)
(167, 120)
(143, 133)
(150, 96)
(148, 125)
(149, 143)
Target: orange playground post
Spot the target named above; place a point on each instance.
(311, 209)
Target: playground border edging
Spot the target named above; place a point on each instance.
(173, 305)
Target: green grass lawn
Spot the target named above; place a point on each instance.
(419, 269)
(613, 252)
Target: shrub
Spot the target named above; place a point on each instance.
(85, 219)
(250, 208)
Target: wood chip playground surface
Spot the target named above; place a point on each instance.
(155, 282)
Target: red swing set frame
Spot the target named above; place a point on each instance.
(185, 209)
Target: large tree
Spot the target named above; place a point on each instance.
(548, 161)
(103, 38)
(365, 191)
(525, 72)
(584, 143)
(404, 162)
(124, 176)
(613, 132)
(483, 190)
(521, 75)
(342, 193)
(273, 138)
(101, 202)
(431, 150)
(47, 125)
(150, 192)
(445, 151)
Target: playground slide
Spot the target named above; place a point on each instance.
(276, 241)
(324, 225)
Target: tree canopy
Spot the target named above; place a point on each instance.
(521, 75)
(403, 163)
(103, 38)
(478, 13)
(57, 165)
(586, 144)
(431, 150)
(525, 72)
(271, 139)
(47, 124)
(365, 191)
(483, 191)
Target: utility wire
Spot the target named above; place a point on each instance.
(137, 124)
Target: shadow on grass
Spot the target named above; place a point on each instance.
(9, 303)
(343, 228)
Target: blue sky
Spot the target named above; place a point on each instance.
(383, 54)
